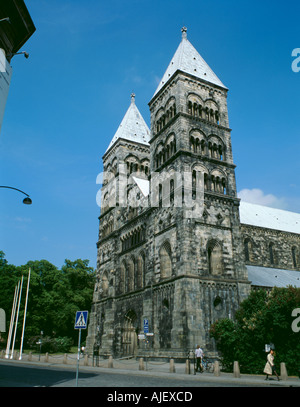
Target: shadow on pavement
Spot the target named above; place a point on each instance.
(19, 376)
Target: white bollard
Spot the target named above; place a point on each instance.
(236, 369)
(217, 371)
(141, 364)
(187, 367)
(283, 372)
(172, 366)
(110, 362)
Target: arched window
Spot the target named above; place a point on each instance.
(165, 261)
(220, 150)
(172, 192)
(104, 284)
(213, 183)
(247, 249)
(160, 195)
(271, 253)
(206, 182)
(105, 203)
(217, 182)
(122, 278)
(218, 302)
(202, 147)
(215, 258)
(294, 256)
(192, 144)
(140, 271)
(130, 275)
(194, 184)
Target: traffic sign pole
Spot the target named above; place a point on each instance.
(80, 323)
(78, 356)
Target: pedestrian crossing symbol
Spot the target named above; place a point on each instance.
(81, 320)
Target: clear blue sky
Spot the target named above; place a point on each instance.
(67, 100)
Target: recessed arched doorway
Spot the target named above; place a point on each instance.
(129, 334)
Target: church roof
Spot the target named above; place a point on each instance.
(271, 277)
(133, 127)
(271, 218)
(187, 59)
(143, 185)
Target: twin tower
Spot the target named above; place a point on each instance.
(170, 257)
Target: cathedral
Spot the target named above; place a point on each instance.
(177, 249)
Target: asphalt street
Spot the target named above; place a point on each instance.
(24, 374)
(13, 375)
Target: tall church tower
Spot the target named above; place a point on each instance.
(126, 162)
(194, 191)
(169, 249)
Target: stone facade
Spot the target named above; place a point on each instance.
(171, 248)
(271, 248)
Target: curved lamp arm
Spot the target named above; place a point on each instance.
(26, 201)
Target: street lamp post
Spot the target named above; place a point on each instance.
(26, 201)
(26, 55)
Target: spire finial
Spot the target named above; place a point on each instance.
(132, 98)
(184, 34)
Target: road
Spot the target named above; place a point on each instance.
(16, 375)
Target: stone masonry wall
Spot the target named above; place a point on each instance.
(259, 240)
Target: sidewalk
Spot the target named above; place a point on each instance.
(163, 369)
(151, 368)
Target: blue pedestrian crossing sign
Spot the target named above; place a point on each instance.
(81, 320)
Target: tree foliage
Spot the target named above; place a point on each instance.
(263, 318)
(54, 295)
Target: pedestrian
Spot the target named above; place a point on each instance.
(199, 355)
(270, 366)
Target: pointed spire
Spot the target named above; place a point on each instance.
(188, 60)
(132, 127)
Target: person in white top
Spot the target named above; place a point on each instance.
(199, 355)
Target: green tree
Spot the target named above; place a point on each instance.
(44, 276)
(54, 295)
(262, 318)
(74, 293)
(9, 276)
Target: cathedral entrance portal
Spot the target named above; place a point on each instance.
(129, 335)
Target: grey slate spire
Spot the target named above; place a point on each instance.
(133, 127)
(188, 60)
